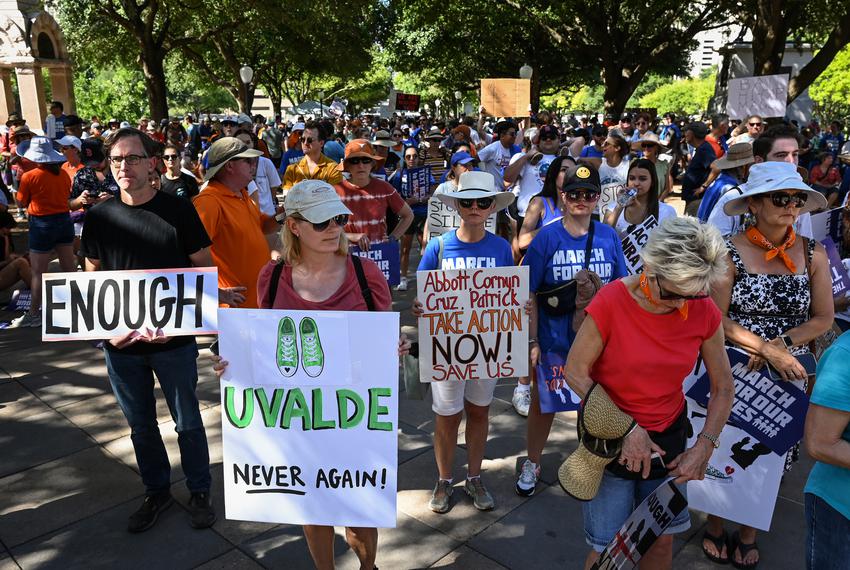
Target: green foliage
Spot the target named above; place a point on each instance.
(831, 91)
(186, 93)
(685, 96)
(110, 92)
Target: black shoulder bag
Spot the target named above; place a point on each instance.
(561, 300)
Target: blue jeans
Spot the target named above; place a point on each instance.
(131, 376)
(827, 544)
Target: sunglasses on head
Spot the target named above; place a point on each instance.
(359, 160)
(668, 296)
(483, 203)
(339, 220)
(783, 199)
(306, 140)
(581, 195)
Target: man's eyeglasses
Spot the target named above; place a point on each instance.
(483, 203)
(169, 157)
(339, 220)
(783, 199)
(582, 195)
(131, 159)
(668, 296)
(306, 140)
(754, 124)
(359, 160)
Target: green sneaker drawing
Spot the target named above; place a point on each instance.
(312, 356)
(287, 350)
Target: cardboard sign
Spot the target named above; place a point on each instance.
(737, 468)
(406, 102)
(774, 413)
(827, 225)
(417, 182)
(309, 409)
(634, 242)
(643, 527)
(840, 279)
(110, 304)
(387, 256)
(442, 219)
(474, 324)
(766, 96)
(506, 97)
(552, 389)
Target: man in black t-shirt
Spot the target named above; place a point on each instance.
(146, 229)
(174, 181)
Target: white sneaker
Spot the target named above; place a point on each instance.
(26, 320)
(527, 478)
(521, 401)
(402, 284)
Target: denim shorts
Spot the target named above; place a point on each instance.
(46, 232)
(827, 547)
(615, 502)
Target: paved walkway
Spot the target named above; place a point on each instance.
(68, 481)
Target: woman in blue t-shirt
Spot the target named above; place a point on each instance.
(468, 247)
(555, 256)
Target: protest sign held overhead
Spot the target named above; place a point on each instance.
(634, 241)
(303, 396)
(386, 255)
(474, 324)
(110, 304)
(552, 389)
(417, 182)
(506, 97)
(442, 219)
(406, 102)
(766, 96)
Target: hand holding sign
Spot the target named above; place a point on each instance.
(637, 451)
(692, 463)
(147, 335)
(233, 296)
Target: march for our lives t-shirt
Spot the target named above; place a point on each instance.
(554, 257)
(492, 251)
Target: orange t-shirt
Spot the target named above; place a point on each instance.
(44, 193)
(239, 248)
(71, 171)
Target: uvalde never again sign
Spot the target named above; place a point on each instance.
(109, 304)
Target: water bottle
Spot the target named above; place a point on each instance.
(623, 198)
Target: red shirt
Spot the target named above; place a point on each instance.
(369, 207)
(715, 144)
(348, 297)
(647, 356)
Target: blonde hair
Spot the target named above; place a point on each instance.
(291, 248)
(687, 253)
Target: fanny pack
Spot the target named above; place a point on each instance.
(672, 440)
(561, 300)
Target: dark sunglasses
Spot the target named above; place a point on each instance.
(668, 296)
(581, 195)
(483, 203)
(754, 124)
(647, 145)
(359, 160)
(339, 220)
(550, 137)
(783, 199)
(306, 140)
(169, 157)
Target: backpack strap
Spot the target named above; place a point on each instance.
(364, 285)
(273, 282)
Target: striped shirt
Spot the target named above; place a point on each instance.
(369, 206)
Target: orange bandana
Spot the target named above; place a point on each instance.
(756, 237)
(644, 287)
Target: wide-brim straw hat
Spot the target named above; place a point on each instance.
(649, 137)
(473, 185)
(39, 150)
(738, 154)
(767, 177)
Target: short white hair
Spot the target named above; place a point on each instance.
(687, 253)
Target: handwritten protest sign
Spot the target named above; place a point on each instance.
(386, 255)
(827, 225)
(772, 412)
(633, 242)
(442, 219)
(643, 527)
(309, 416)
(474, 324)
(506, 97)
(552, 389)
(417, 182)
(109, 304)
(406, 102)
(840, 279)
(765, 95)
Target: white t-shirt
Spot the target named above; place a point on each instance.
(731, 225)
(530, 181)
(265, 179)
(664, 211)
(612, 179)
(494, 158)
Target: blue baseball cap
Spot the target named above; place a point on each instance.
(462, 158)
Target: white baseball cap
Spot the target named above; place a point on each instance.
(314, 200)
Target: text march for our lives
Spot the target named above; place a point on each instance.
(110, 304)
(474, 325)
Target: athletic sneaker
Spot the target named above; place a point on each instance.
(521, 400)
(441, 497)
(26, 320)
(402, 284)
(528, 477)
(312, 357)
(287, 350)
(149, 512)
(481, 497)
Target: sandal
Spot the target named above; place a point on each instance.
(744, 549)
(719, 542)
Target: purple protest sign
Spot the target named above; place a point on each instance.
(840, 280)
(552, 389)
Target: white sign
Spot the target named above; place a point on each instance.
(474, 324)
(766, 96)
(309, 416)
(110, 304)
(442, 219)
(827, 225)
(634, 242)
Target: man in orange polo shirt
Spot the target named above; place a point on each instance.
(233, 221)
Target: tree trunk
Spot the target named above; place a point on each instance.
(839, 38)
(619, 84)
(157, 91)
(276, 104)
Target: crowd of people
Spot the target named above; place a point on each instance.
(737, 267)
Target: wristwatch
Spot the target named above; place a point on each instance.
(786, 340)
(715, 440)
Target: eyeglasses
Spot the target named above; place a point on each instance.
(339, 220)
(783, 199)
(359, 160)
(581, 195)
(754, 124)
(647, 145)
(169, 157)
(131, 159)
(483, 203)
(668, 296)
(306, 140)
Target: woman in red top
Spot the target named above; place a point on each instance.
(657, 321)
(319, 275)
(824, 178)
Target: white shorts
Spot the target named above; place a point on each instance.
(448, 395)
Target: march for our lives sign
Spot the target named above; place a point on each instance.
(772, 412)
(555, 395)
(386, 255)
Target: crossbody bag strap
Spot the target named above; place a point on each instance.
(364, 285)
(589, 246)
(273, 283)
